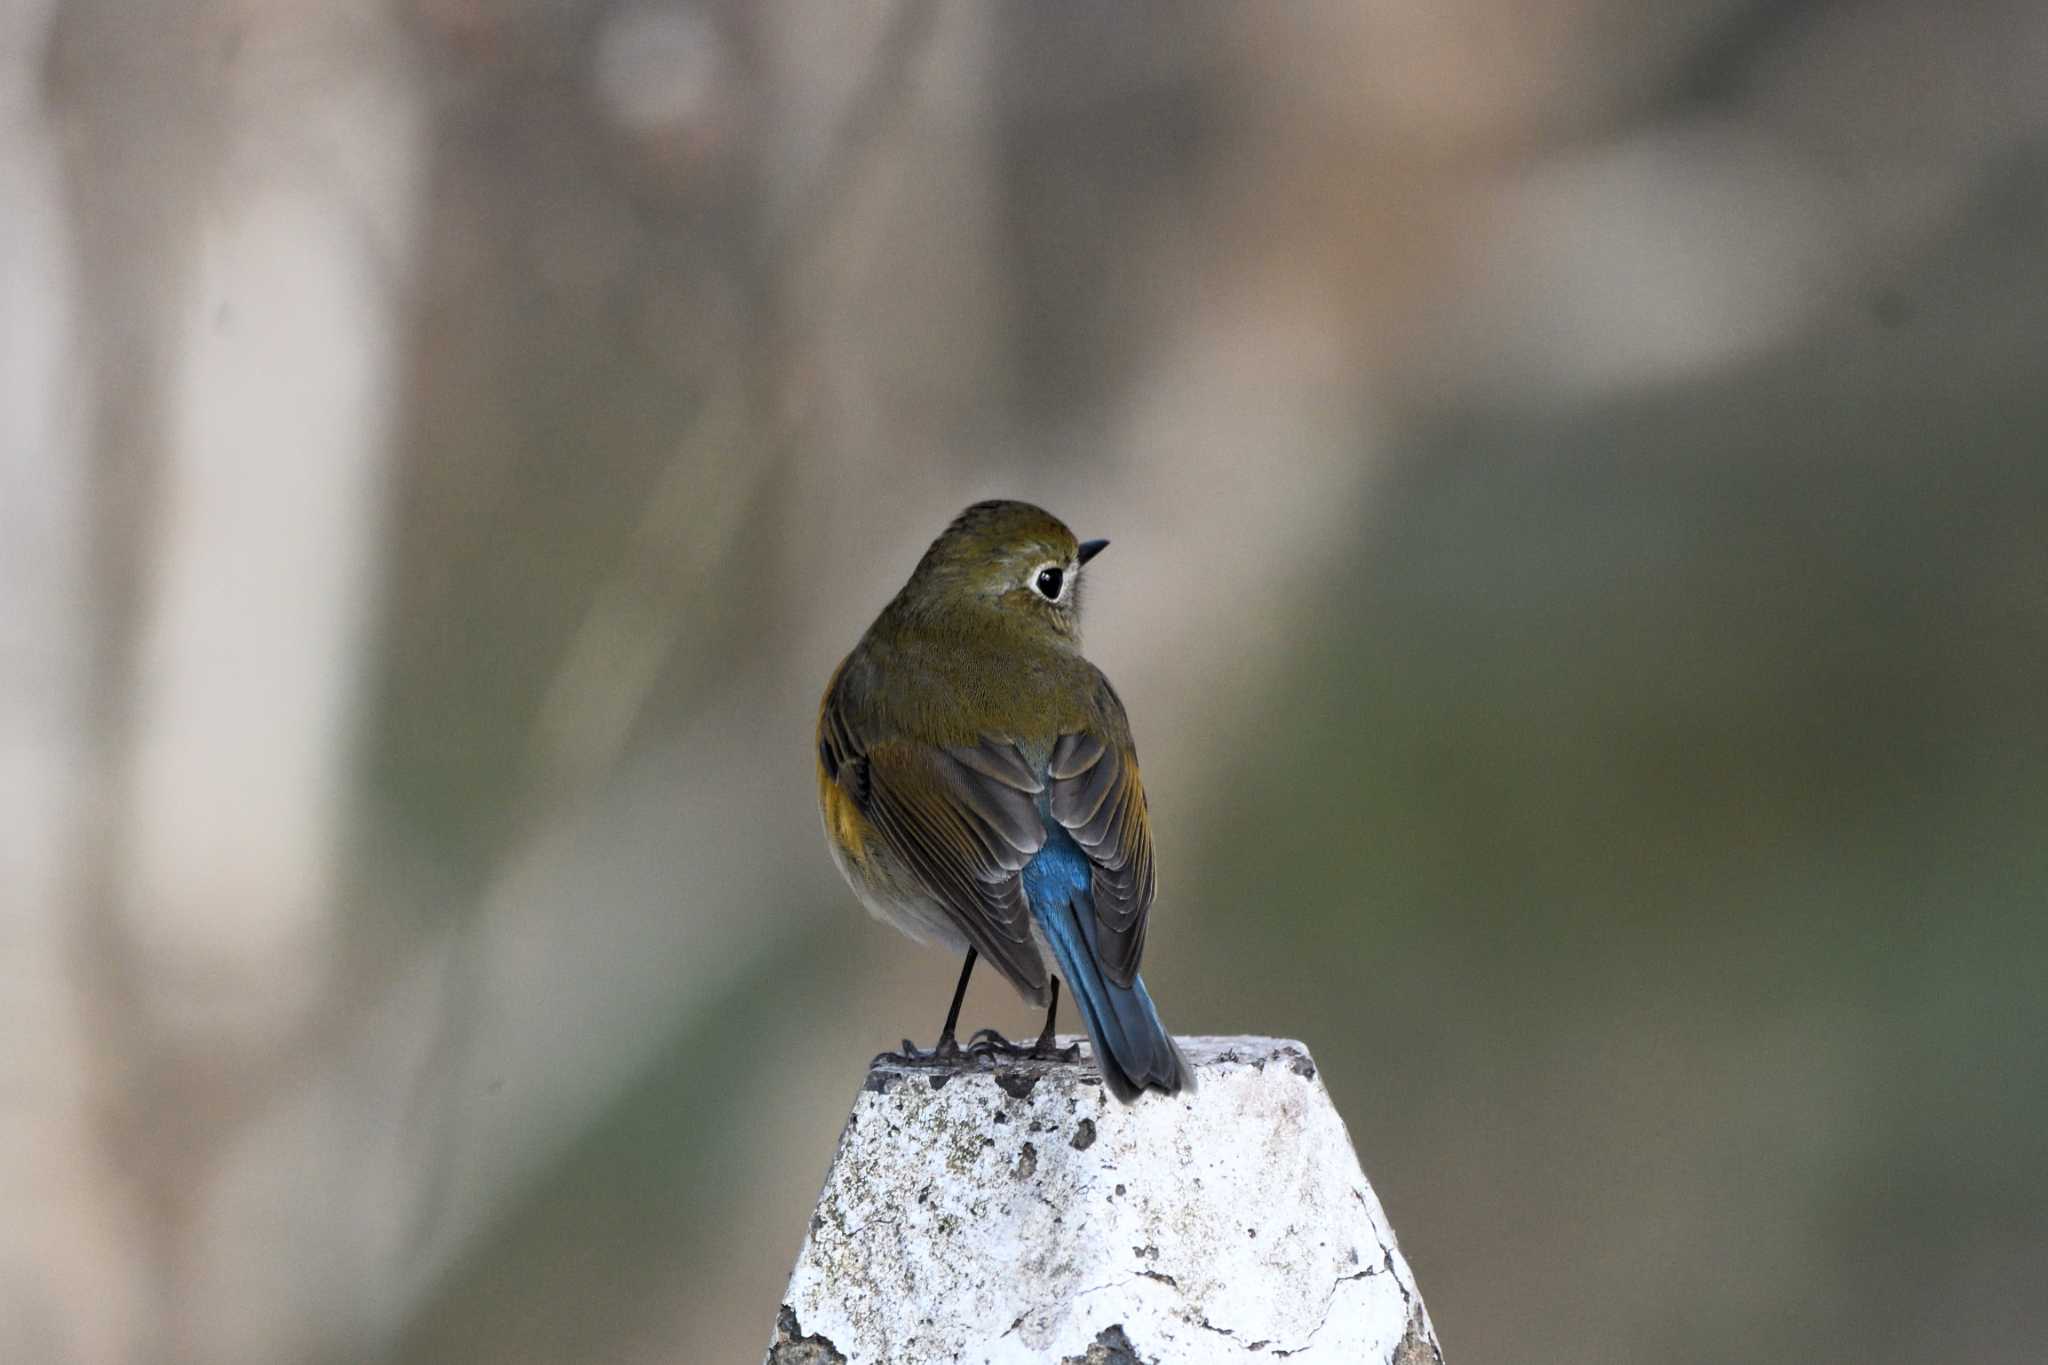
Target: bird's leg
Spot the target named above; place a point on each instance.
(1044, 1044)
(947, 1047)
(1043, 1049)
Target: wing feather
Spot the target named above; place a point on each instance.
(962, 822)
(1097, 795)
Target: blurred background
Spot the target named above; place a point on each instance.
(1577, 478)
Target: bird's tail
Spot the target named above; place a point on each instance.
(1132, 1048)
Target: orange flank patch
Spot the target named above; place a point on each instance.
(842, 821)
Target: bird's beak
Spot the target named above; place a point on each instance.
(1091, 548)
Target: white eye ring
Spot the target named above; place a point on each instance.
(1063, 580)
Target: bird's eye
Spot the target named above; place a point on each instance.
(1049, 582)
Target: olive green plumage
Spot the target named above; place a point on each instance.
(971, 648)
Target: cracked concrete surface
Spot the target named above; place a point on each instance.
(1004, 1211)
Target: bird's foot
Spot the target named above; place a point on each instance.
(948, 1050)
(988, 1043)
(1045, 1050)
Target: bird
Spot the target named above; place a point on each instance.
(980, 789)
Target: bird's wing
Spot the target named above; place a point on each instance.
(962, 820)
(1096, 795)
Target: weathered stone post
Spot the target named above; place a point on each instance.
(1011, 1211)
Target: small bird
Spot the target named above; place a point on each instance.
(980, 788)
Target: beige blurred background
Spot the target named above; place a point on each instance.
(1577, 478)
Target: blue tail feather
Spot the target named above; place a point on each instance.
(1132, 1048)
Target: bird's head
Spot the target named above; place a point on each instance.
(1008, 565)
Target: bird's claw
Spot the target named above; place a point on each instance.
(911, 1054)
(985, 1045)
(989, 1043)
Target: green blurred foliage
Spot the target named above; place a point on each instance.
(1649, 840)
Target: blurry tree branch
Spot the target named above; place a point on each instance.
(231, 536)
(705, 493)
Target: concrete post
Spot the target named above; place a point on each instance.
(1012, 1211)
